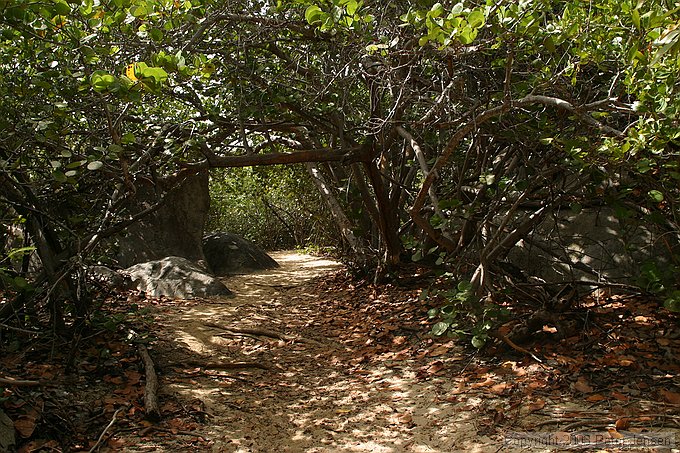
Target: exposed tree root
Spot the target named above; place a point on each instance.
(256, 331)
(227, 365)
(514, 346)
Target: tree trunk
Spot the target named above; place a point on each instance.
(340, 218)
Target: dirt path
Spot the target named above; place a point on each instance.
(351, 380)
(317, 396)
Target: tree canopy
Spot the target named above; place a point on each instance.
(425, 125)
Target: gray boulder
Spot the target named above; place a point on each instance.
(228, 253)
(592, 245)
(176, 277)
(110, 277)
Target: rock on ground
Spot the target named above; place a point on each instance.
(592, 245)
(176, 277)
(227, 253)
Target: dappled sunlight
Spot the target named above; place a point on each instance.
(313, 399)
(333, 367)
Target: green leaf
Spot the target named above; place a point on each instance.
(61, 9)
(655, 195)
(59, 176)
(159, 75)
(95, 165)
(436, 10)
(101, 80)
(440, 328)
(352, 7)
(464, 286)
(673, 302)
(156, 34)
(448, 310)
(20, 251)
(432, 313)
(127, 139)
(635, 16)
(139, 11)
(478, 341)
(21, 283)
(476, 18)
(313, 14)
(467, 35)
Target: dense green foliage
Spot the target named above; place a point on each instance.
(434, 123)
(275, 207)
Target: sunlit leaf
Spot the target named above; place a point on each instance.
(440, 328)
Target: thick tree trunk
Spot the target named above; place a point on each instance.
(387, 219)
(175, 228)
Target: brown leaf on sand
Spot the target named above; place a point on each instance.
(537, 405)
(435, 367)
(400, 419)
(582, 385)
(499, 388)
(622, 423)
(439, 350)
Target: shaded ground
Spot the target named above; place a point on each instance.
(363, 377)
(305, 359)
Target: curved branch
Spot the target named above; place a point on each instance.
(471, 125)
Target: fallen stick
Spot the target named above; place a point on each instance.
(19, 383)
(151, 407)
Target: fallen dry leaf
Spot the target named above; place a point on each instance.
(435, 367)
(622, 423)
(399, 340)
(488, 382)
(499, 388)
(582, 385)
(614, 434)
(460, 388)
(439, 350)
(595, 398)
(400, 419)
(25, 426)
(620, 396)
(536, 405)
(671, 397)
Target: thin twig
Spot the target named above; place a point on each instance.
(17, 329)
(19, 383)
(101, 436)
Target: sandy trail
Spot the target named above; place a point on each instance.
(319, 396)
